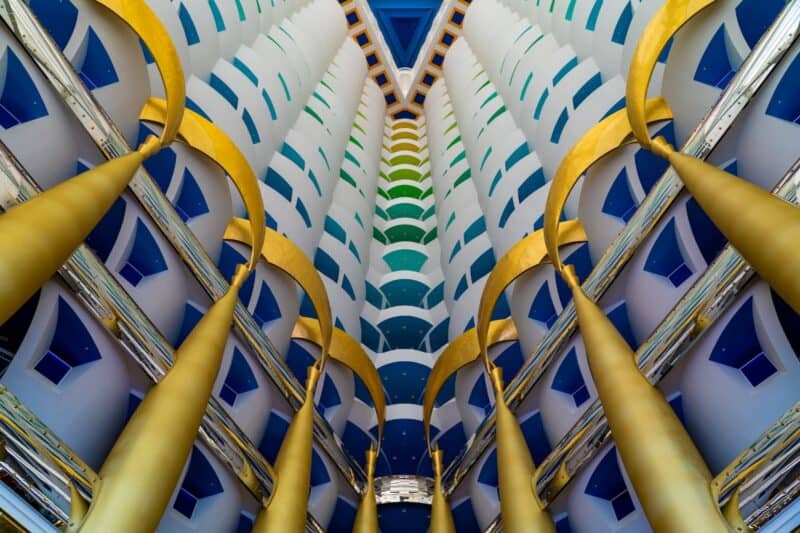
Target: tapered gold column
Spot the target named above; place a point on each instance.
(141, 471)
(37, 237)
(761, 226)
(287, 509)
(441, 514)
(520, 506)
(668, 474)
(367, 515)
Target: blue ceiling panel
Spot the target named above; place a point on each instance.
(404, 24)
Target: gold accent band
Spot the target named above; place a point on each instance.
(148, 27)
(349, 352)
(286, 256)
(210, 140)
(670, 17)
(600, 140)
(524, 256)
(461, 351)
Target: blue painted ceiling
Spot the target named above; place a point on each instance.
(405, 25)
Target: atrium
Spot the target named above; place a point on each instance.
(400, 265)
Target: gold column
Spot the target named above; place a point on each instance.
(668, 474)
(441, 515)
(141, 471)
(367, 515)
(38, 236)
(288, 506)
(520, 506)
(761, 226)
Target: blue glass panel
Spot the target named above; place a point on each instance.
(96, 70)
(298, 359)
(521, 151)
(562, 523)
(145, 258)
(566, 69)
(293, 155)
(536, 437)
(348, 287)
(568, 379)
(475, 229)
(790, 322)
(185, 503)
(738, 346)
(462, 286)
(300, 207)
(224, 90)
(229, 259)
(606, 482)
(587, 89)
(279, 184)
(785, 102)
(334, 229)
(482, 265)
(624, 22)
(620, 202)
(240, 378)
(219, 23)
(510, 360)
(665, 258)
(708, 238)
(191, 316)
(103, 237)
(488, 472)
(479, 396)
(267, 309)
(755, 16)
(273, 436)
(531, 184)
(255, 138)
(344, 515)
(464, 517)
(160, 165)
(649, 166)
(245, 523)
(591, 22)
(190, 202)
(619, 317)
(370, 336)
(326, 265)
(508, 210)
(582, 261)
(58, 17)
(437, 337)
(329, 397)
(272, 113)
(20, 102)
(715, 67)
(189, 29)
(542, 309)
(555, 137)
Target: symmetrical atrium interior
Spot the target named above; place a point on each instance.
(399, 265)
